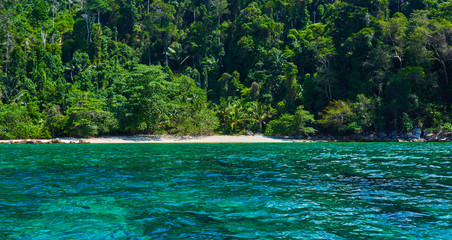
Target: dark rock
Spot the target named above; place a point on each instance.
(366, 138)
(56, 141)
(356, 137)
(346, 139)
(373, 138)
(415, 134)
(382, 135)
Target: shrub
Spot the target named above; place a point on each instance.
(55, 121)
(364, 117)
(281, 126)
(291, 125)
(15, 122)
(407, 122)
(87, 117)
(447, 127)
(203, 122)
(337, 115)
(207, 122)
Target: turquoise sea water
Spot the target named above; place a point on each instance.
(226, 191)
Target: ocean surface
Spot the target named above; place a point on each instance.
(226, 191)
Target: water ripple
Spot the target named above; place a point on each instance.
(226, 191)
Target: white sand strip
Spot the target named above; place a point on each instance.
(181, 139)
(163, 139)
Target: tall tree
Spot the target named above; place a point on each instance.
(100, 6)
(220, 7)
(394, 35)
(160, 24)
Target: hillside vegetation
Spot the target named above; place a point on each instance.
(192, 67)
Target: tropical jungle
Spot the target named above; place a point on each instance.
(195, 67)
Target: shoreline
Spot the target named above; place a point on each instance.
(153, 139)
(257, 138)
(183, 139)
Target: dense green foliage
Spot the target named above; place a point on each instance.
(93, 67)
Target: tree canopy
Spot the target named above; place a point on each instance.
(93, 67)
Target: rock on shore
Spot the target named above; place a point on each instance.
(40, 141)
(416, 135)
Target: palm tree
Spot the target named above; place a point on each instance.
(9, 91)
(259, 112)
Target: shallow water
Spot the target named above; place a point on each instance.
(226, 191)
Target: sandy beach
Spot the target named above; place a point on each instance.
(161, 139)
(180, 139)
(258, 138)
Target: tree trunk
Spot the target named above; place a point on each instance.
(44, 37)
(327, 82)
(206, 79)
(445, 73)
(87, 26)
(395, 121)
(7, 52)
(149, 53)
(166, 52)
(219, 32)
(329, 90)
(260, 125)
